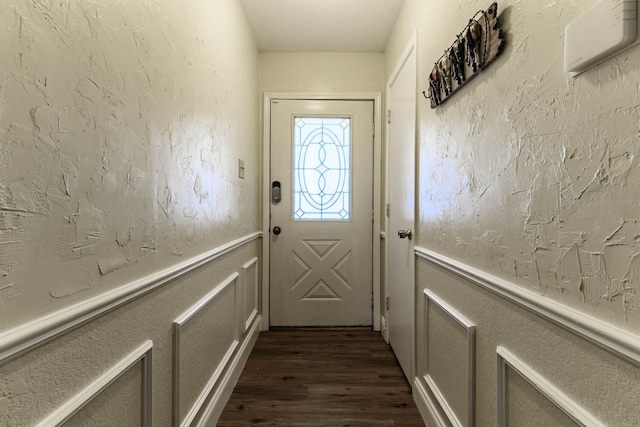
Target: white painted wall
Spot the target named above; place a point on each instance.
(321, 72)
(121, 127)
(527, 174)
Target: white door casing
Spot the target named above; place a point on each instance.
(400, 271)
(321, 268)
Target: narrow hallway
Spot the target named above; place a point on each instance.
(321, 378)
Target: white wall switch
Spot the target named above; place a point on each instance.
(601, 32)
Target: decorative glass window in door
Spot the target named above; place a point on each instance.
(321, 168)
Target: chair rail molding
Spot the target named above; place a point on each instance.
(24, 338)
(611, 338)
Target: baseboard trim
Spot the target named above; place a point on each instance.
(24, 338)
(83, 398)
(230, 378)
(426, 406)
(611, 338)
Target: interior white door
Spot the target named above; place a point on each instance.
(321, 242)
(400, 225)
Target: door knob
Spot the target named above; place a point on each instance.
(277, 230)
(405, 234)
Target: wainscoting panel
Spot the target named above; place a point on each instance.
(611, 338)
(525, 398)
(429, 409)
(251, 287)
(205, 338)
(119, 404)
(123, 391)
(211, 413)
(449, 360)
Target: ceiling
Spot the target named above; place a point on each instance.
(321, 25)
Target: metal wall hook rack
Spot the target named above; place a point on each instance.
(474, 48)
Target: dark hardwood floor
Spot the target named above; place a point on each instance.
(319, 378)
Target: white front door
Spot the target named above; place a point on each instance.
(321, 223)
(401, 198)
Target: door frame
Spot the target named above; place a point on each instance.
(376, 97)
(411, 48)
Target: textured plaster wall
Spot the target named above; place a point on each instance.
(527, 173)
(121, 126)
(531, 176)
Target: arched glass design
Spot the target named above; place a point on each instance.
(322, 168)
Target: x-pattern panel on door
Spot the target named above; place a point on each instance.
(322, 269)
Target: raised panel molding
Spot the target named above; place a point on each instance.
(383, 329)
(27, 337)
(75, 404)
(250, 287)
(609, 337)
(563, 402)
(216, 405)
(177, 352)
(470, 331)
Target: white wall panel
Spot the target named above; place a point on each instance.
(449, 359)
(123, 391)
(205, 338)
(525, 398)
(251, 284)
(591, 375)
(118, 405)
(526, 406)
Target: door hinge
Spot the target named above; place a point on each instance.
(388, 210)
(374, 129)
(373, 215)
(388, 116)
(386, 302)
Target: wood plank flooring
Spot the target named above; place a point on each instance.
(319, 378)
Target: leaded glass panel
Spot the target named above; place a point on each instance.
(321, 168)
